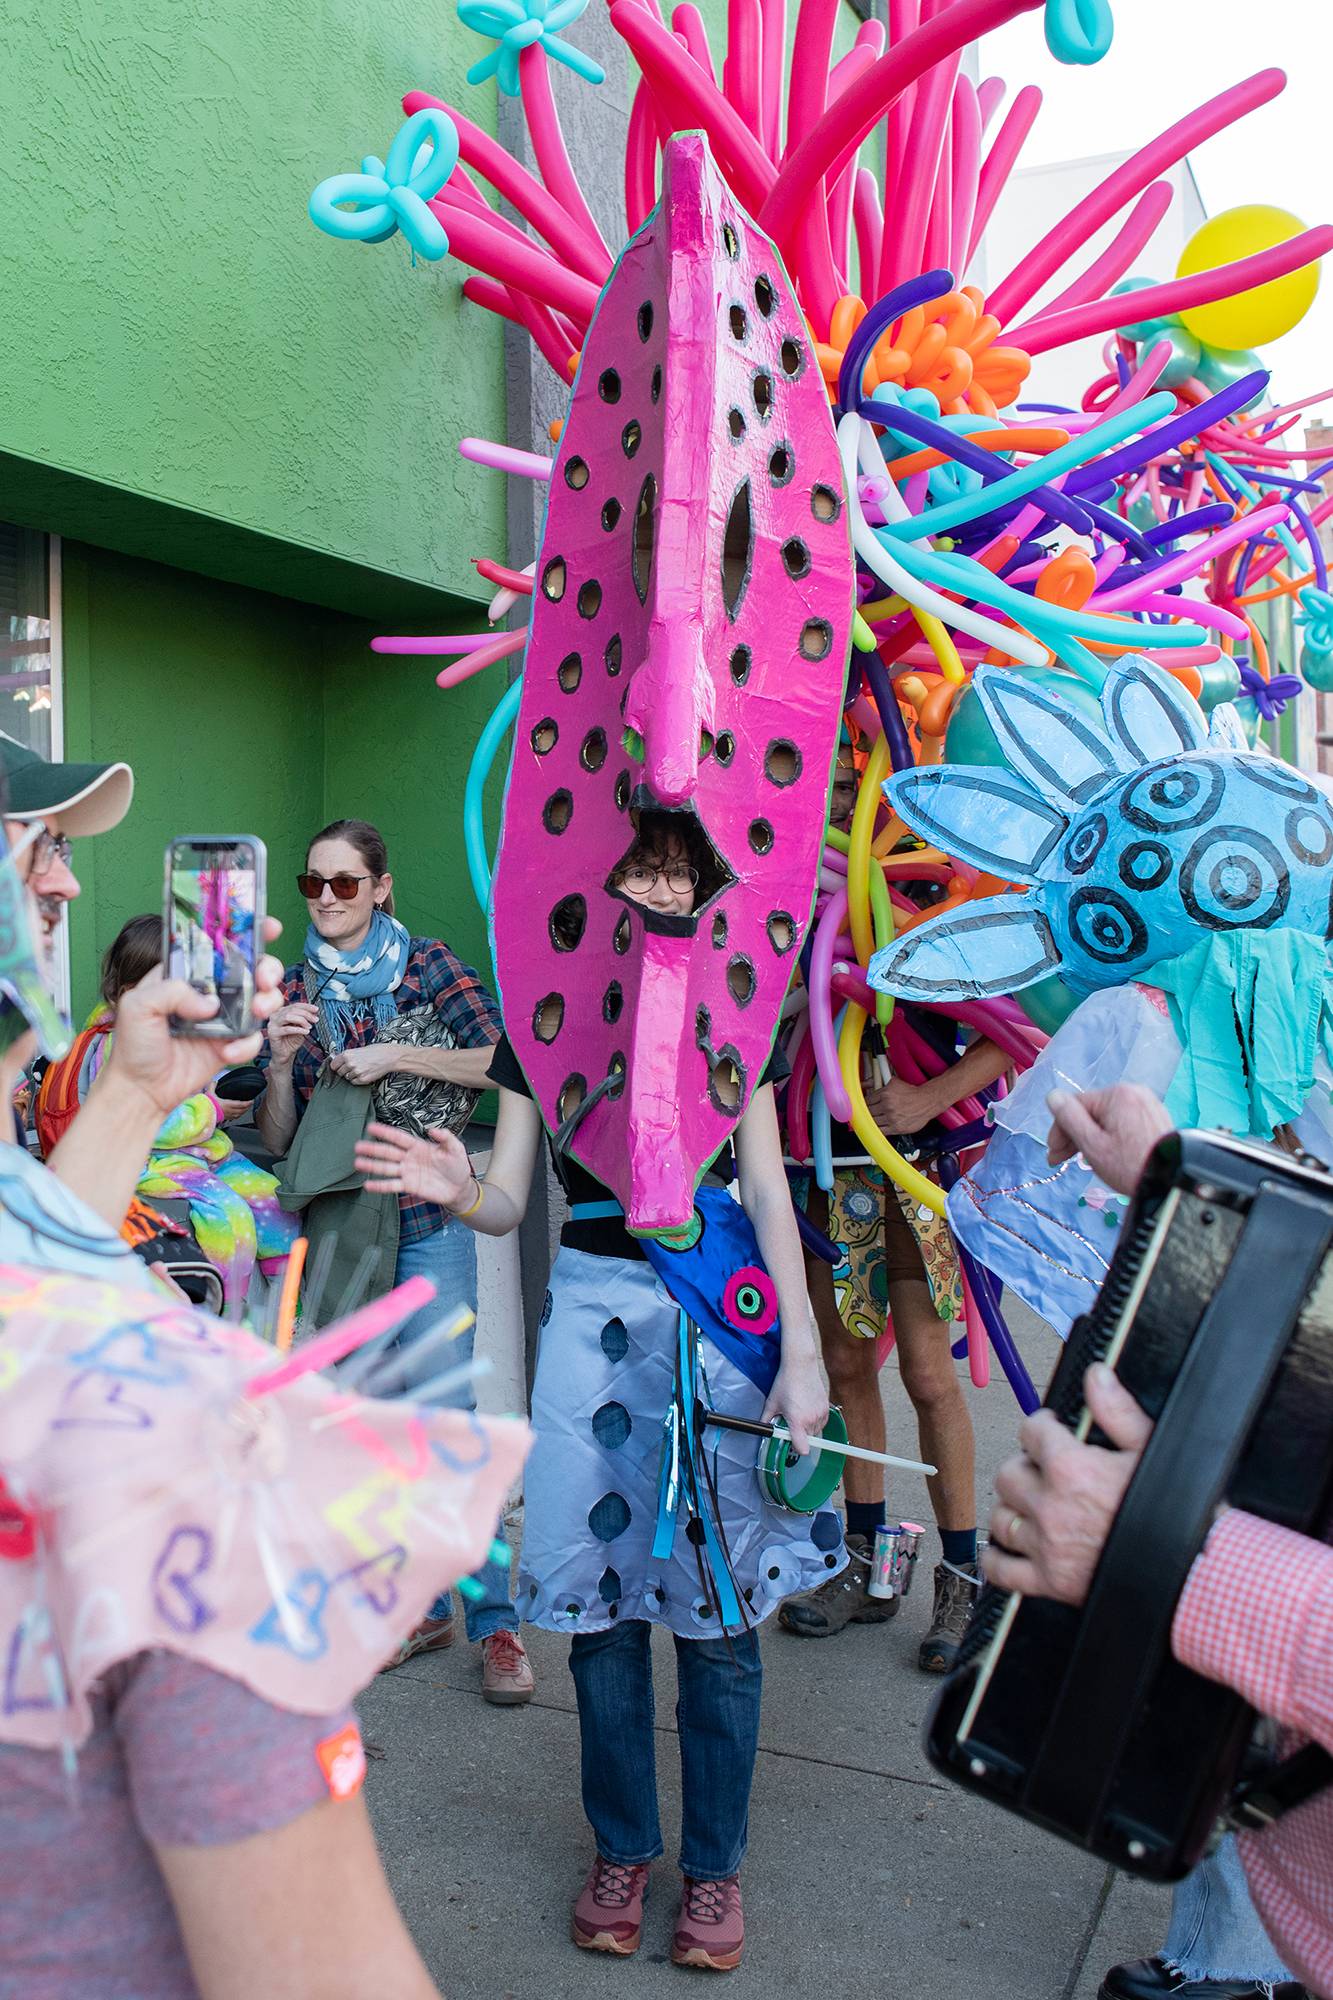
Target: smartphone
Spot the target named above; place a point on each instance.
(213, 915)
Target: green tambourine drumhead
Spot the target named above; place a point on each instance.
(802, 1485)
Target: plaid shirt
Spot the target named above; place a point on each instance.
(433, 977)
(1257, 1615)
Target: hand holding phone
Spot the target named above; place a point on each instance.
(212, 926)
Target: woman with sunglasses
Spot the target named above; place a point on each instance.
(361, 971)
(591, 1567)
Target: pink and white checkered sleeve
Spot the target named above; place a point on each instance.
(1256, 1614)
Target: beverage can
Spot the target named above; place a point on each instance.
(893, 1560)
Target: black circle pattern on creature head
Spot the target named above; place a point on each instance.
(1309, 832)
(1085, 843)
(1145, 865)
(1280, 778)
(1106, 926)
(609, 1516)
(1172, 797)
(615, 1340)
(1235, 879)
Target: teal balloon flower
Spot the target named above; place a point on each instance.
(387, 196)
(1316, 616)
(517, 25)
(1078, 31)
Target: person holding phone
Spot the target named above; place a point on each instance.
(361, 972)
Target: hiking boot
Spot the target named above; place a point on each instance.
(955, 1594)
(840, 1600)
(506, 1673)
(608, 1915)
(1151, 1979)
(710, 1930)
(431, 1636)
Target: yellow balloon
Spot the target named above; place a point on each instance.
(1264, 312)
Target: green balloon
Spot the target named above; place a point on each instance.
(1048, 1003)
(1143, 329)
(1317, 670)
(1219, 368)
(1221, 682)
(1184, 359)
(969, 738)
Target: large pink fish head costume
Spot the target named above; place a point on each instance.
(690, 630)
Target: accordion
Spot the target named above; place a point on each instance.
(1217, 1314)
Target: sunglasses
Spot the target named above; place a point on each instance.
(344, 887)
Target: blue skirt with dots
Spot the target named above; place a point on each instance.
(605, 1372)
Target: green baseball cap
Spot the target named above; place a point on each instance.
(80, 798)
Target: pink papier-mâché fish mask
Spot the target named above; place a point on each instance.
(690, 631)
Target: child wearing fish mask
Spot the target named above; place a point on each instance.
(604, 1379)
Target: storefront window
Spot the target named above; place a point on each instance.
(27, 682)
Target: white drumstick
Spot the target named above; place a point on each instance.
(860, 1451)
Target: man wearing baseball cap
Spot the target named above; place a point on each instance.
(78, 798)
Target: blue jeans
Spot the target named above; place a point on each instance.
(717, 1714)
(449, 1259)
(1215, 1931)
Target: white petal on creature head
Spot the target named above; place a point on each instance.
(1148, 714)
(998, 946)
(1046, 740)
(988, 818)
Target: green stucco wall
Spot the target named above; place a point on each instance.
(218, 694)
(176, 328)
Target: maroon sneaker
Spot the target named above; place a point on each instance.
(710, 1930)
(608, 1915)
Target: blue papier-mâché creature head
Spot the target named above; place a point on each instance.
(1138, 837)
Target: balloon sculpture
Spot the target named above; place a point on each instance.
(701, 485)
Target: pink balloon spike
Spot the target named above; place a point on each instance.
(1121, 251)
(939, 220)
(687, 97)
(786, 210)
(964, 173)
(868, 222)
(450, 644)
(380, 1316)
(548, 143)
(798, 1100)
(476, 663)
(853, 63)
(743, 64)
(505, 458)
(821, 1012)
(978, 1343)
(1026, 280)
(1042, 334)
(774, 53)
(926, 145)
(999, 161)
(687, 24)
(514, 262)
(990, 96)
(641, 143)
(1141, 382)
(522, 189)
(807, 97)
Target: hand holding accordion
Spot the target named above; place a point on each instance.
(1217, 1317)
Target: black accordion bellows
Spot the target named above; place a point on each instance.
(1217, 1314)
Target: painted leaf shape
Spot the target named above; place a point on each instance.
(996, 946)
(986, 817)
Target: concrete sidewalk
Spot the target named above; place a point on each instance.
(867, 1874)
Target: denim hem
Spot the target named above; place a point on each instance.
(487, 1622)
(633, 1860)
(714, 1874)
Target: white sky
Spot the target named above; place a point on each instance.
(1169, 56)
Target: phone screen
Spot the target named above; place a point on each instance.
(213, 907)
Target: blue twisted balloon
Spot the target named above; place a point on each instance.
(1079, 31)
(517, 25)
(390, 195)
